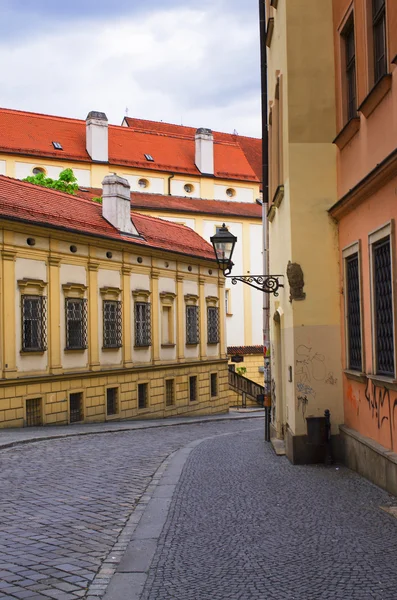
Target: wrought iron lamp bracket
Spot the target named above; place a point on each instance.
(268, 284)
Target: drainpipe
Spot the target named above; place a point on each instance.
(265, 205)
(169, 183)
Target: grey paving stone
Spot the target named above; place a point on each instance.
(65, 502)
(126, 586)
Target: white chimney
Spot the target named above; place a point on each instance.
(96, 131)
(116, 204)
(204, 151)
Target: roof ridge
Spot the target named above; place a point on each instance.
(187, 127)
(36, 114)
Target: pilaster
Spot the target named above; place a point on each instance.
(203, 319)
(222, 318)
(93, 342)
(127, 341)
(8, 292)
(180, 304)
(54, 315)
(155, 315)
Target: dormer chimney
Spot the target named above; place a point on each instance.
(97, 136)
(204, 159)
(116, 204)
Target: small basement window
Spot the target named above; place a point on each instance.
(149, 157)
(57, 145)
(33, 412)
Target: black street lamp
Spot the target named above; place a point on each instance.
(223, 242)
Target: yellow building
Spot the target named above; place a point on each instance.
(104, 316)
(196, 177)
(305, 318)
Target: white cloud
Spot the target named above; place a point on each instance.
(195, 66)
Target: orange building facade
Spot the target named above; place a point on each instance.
(365, 33)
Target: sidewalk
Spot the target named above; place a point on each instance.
(14, 437)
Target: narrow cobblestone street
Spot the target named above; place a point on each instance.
(242, 523)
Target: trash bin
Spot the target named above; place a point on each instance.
(316, 431)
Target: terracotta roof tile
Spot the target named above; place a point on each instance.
(160, 202)
(41, 206)
(171, 146)
(240, 350)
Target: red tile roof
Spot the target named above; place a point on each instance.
(240, 350)
(251, 147)
(159, 202)
(172, 146)
(41, 206)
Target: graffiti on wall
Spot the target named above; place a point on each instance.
(310, 368)
(382, 403)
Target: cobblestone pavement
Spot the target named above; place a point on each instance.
(245, 524)
(64, 502)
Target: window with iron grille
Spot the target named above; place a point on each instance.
(214, 384)
(112, 401)
(192, 325)
(33, 412)
(379, 38)
(169, 392)
(112, 329)
(213, 324)
(76, 323)
(34, 320)
(353, 312)
(350, 54)
(142, 324)
(76, 407)
(193, 388)
(142, 395)
(383, 307)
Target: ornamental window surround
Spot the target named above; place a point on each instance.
(192, 319)
(353, 307)
(382, 306)
(76, 325)
(112, 318)
(212, 320)
(33, 315)
(142, 318)
(167, 319)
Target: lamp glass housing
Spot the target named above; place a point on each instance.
(223, 242)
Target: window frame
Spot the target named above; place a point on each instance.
(117, 413)
(378, 17)
(81, 393)
(83, 320)
(172, 404)
(374, 237)
(213, 337)
(213, 396)
(143, 332)
(193, 388)
(116, 322)
(347, 253)
(349, 68)
(146, 388)
(41, 320)
(167, 307)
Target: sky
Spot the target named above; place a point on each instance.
(188, 62)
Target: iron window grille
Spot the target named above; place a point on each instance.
(34, 323)
(112, 324)
(353, 311)
(76, 407)
(142, 395)
(350, 70)
(383, 309)
(193, 388)
(76, 323)
(112, 401)
(192, 325)
(169, 392)
(213, 324)
(142, 324)
(33, 412)
(214, 384)
(379, 38)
